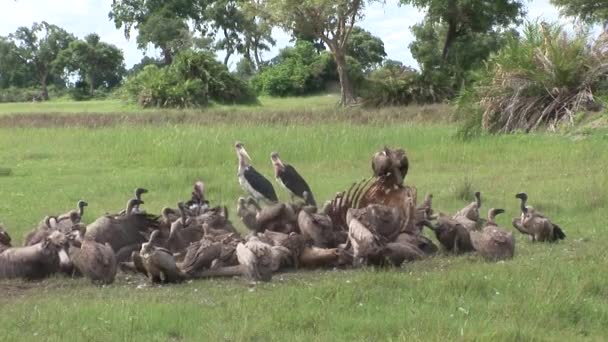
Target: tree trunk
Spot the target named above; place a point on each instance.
(91, 85)
(452, 28)
(449, 39)
(256, 55)
(167, 56)
(347, 95)
(44, 91)
(227, 57)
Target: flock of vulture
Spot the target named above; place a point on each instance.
(375, 222)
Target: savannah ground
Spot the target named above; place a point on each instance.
(548, 292)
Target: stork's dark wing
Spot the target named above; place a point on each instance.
(295, 183)
(260, 184)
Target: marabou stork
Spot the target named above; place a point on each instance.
(252, 181)
(290, 179)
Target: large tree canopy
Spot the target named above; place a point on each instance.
(590, 11)
(161, 23)
(13, 71)
(38, 48)
(332, 21)
(462, 17)
(98, 64)
(366, 48)
(468, 52)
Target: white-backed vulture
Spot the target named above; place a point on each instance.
(45, 227)
(423, 243)
(67, 220)
(391, 165)
(159, 263)
(5, 239)
(452, 235)
(398, 252)
(534, 223)
(471, 211)
(315, 257)
(94, 260)
(125, 233)
(365, 244)
(256, 262)
(33, 262)
(493, 243)
(138, 192)
(278, 217)
(318, 228)
(247, 214)
(385, 221)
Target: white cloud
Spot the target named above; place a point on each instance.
(389, 21)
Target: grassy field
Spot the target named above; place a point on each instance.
(548, 292)
(120, 107)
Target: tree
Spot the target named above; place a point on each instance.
(332, 21)
(257, 31)
(366, 48)
(161, 23)
(590, 11)
(468, 52)
(38, 47)
(98, 64)
(13, 72)
(462, 17)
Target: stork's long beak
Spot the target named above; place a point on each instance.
(244, 153)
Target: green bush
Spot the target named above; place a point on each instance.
(194, 79)
(542, 79)
(297, 70)
(396, 85)
(13, 94)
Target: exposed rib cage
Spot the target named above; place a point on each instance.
(380, 191)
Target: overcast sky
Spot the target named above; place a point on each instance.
(390, 22)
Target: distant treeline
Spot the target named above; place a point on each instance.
(453, 46)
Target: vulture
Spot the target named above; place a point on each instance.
(5, 239)
(197, 203)
(468, 224)
(208, 253)
(452, 235)
(137, 193)
(251, 180)
(365, 244)
(534, 223)
(290, 179)
(397, 253)
(420, 241)
(182, 234)
(247, 214)
(318, 228)
(382, 220)
(33, 262)
(315, 257)
(94, 260)
(256, 262)
(393, 163)
(278, 217)
(471, 211)
(158, 262)
(125, 233)
(46, 227)
(493, 243)
(67, 220)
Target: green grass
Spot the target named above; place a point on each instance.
(121, 107)
(548, 292)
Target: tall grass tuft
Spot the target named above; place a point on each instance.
(542, 79)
